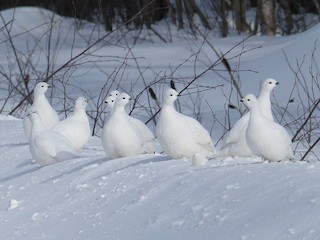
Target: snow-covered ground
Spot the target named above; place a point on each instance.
(152, 196)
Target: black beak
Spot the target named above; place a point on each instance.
(277, 83)
(241, 100)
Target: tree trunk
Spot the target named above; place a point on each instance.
(202, 17)
(179, 13)
(240, 15)
(285, 5)
(268, 22)
(224, 24)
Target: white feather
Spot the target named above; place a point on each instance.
(179, 135)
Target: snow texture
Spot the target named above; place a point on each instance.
(153, 196)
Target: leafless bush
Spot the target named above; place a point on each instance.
(301, 114)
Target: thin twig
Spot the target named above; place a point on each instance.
(82, 53)
(309, 150)
(306, 121)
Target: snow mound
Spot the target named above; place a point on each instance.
(153, 196)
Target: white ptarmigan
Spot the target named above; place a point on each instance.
(265, 137)
(148, 138)
(110, 100)
(47, 146)
(120, 136)
(179, 135)
(76, 127)
(41, 105)
(235, 141)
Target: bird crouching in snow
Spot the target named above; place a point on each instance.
(122, 135)
(46, 146)
(76, 127)
(41, 105)
(265, 137)
(182, 136)
(235, 143)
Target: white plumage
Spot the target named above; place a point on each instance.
(235, 141)
(110, 100)
(121, 137)
(148, 138)
(41, 105)
(47, 146)
(265, 137)
(76, 127)
(179, 135)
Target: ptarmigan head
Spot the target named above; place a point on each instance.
(122, 100)
(170, 96)
(269, 84)
(114, 93)
(33, 116)
(250, 101)
(41, 88)
(110, 101)
(81, 103)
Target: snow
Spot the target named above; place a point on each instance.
(153, 196)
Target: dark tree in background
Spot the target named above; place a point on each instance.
(239, 7)
(271, 15)
(267, 21)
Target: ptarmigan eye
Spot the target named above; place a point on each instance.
(248, 100)
(123, 98)
(171, 95)
(112, 100)
(270, 82)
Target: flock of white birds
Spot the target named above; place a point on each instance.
(179, 136)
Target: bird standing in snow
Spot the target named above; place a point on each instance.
(265, 137)
(47, 146)
(76, 127)
(235, 141)
(179, 135)
(148, 138)
(121, 137)
(48, 115)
